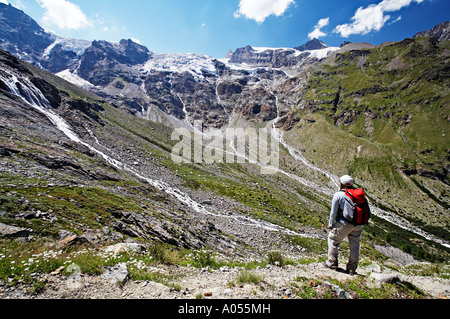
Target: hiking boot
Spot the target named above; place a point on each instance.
(325, 265)
(351, 272)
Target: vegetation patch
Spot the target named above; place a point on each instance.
(358, 288)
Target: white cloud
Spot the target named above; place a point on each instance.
(317, 33)
(399, 18)
(4, 1)
(323, 23)
(395, 5)
(259, 10)
(372, 18)
(365, 20)
(64, 14)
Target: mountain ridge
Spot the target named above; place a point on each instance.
(26, 26)
(440, 32)
(115, 68)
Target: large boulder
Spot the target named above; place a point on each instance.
(7, 231)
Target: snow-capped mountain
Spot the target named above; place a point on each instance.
(291, 60)
(195, 64)
(187, 86)
(76, 46)
(190, 86)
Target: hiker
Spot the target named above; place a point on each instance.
(349, 213)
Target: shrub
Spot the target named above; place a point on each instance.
(202, 259)
(276, 258)
(245, 277)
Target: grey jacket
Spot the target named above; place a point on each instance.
(338, 205)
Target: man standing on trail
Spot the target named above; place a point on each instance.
(349, 213)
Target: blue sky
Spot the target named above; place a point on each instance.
(213, 27)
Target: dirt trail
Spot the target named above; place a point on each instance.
(274, 283)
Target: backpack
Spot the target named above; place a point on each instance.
(357, 210)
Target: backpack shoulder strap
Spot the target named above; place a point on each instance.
(350, 195)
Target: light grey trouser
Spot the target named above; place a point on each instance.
(340, 231)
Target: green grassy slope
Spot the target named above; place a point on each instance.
(382, 115)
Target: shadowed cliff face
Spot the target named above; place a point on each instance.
(21, 35)
(103, 62)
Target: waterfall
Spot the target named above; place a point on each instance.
(30, 94)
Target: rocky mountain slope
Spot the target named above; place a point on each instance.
(21, 35)
(439, 32)
(26, 39)
(87, 162)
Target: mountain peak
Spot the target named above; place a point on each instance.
(126, 51)
(441, 32)
(21, 35)
(313, 44)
